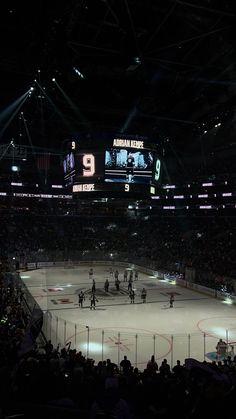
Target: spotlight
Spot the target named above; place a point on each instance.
(137, 60)
(78, 72)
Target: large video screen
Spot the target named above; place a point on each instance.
(129, 166)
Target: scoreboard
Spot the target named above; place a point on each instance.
(118, 166)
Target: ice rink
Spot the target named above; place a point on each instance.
(116, 328)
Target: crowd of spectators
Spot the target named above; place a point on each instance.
(206, 244)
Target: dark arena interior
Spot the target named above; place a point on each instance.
(117, 209)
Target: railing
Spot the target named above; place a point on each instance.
(102, 343)
(32, 307)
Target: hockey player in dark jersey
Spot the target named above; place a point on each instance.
(130, 163)
(143, 295)
(132, 296)
(81, 298)
(117, 284)
(94, 286)
(172, 299)
(106, 285)
(93, 301)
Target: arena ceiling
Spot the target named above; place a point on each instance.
(165, 69)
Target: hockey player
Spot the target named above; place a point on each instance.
(143, 295)
(125, 276)
(221, 349)
(81, 298)
(131, 296)
(172, 299)
(90, 273)
(130, 285)
(93, 301)
(106, 285)
(117, 284)
(131, 274)
(130, 163)
(94, 286)
(136, 275)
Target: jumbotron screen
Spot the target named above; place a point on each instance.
(120, 165)
(128, 165)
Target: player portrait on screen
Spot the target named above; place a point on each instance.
(130, 164)
(124, 165)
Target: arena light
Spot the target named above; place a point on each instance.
(169, 187)
(81, 76)
(137, 60)
(14, 168)
(16, 184)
